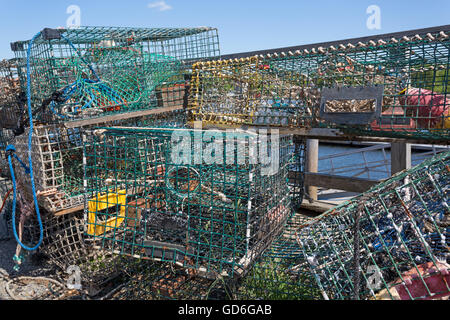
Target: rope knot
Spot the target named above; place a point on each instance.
(10, 152)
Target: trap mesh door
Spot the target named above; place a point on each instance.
(212, 217)
(382, 87)
(95, 71)
(396, 235)
(57, 156)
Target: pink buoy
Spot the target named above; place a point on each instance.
(433, 109)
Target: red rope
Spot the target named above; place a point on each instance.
(6, 197)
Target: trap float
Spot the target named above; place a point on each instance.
(212, 217)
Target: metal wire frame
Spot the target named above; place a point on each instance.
(391, 242)
(393, 87)
(91, 72)
(57, 155)
(214, 218)
(297, 172)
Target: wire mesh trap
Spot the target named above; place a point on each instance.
(57, 157)
(391, 242)
(282, 272)
(12, 99)
(96, 71)
(382, 87)
(296, 178)
(214, 216)
(279, 274)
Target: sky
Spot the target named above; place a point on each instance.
(244, 25)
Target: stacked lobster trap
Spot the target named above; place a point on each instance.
(395, 87)
(154, 194)
(391, 242)
(91, 76)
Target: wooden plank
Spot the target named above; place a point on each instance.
(400, 157)
(70, 210)
(338, 182)
(120, 116)
(316, 206)
(312, 163)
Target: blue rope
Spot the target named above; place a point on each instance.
(30, 168)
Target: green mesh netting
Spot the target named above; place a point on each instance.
(96, 71)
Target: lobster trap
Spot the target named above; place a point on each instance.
(391, 242)
(394, 87)
(91, 72)
(12, 98)
(280, 273)
(57, 158)
(151, 194)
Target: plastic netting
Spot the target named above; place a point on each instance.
(91, 72)
(149, 196)
(57, 155)
(391, 242)
(382, 87)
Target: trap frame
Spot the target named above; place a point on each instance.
(388, 87)
(91, 72)
(391, 242)
(214, 219)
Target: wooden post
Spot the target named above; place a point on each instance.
(312, 161)
(400, 156)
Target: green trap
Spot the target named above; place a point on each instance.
(92, 72)
(391, 242)
(149, 195)
(392, 87)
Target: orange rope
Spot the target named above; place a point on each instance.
(4, 200)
